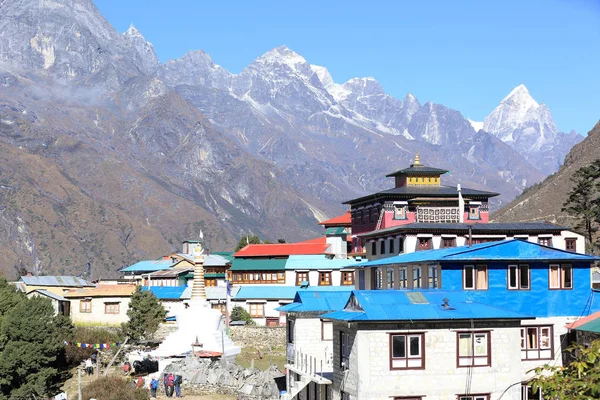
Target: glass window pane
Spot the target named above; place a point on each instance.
(482, 283)
(545, 339)
(399, 346)
(402, 279)
(415, 345)
(481, 344)
(532, 340)
(464, 345)
(416, 277)
(524, 271)
(567, 277)
(512, 276)
(554, 276)
(469, 284)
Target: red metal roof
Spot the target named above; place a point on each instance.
(340, 220)
(583, 321)
(282, 249)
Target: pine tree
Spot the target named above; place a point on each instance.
(247, 239)
(145, 315)
(583, 201)
(30, 347)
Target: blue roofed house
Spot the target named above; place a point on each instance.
(485, 315)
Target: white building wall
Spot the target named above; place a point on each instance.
(98, 316)
(309, 341)
(269, 307)
(370, 377)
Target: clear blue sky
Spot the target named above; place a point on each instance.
(466, 55)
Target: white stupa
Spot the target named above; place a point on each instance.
(199, 326)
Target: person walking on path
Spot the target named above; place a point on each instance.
(178, 379)
(170, 384)
(89, 367)
(153, 387)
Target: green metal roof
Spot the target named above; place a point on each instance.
(592, 326)
(254, 264)
(335, 231)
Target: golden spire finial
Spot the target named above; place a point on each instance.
(417, 161)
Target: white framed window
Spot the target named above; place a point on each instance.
(326, 330)
(474, 396)
(560, 276)
(407, 351)
(518, 277)
(537, 343)
(473, 349)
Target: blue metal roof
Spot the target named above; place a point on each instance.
(417, 305)
(67, 281)
(318, 261)
(149, 266)
(280, 292)
(509, 250)
(167, 292)
(315, 301)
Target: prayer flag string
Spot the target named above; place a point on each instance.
(92, 345)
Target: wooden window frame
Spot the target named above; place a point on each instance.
(300, 274)
(561, 275)
(475, 268)
(547, 241)
(261, 308)
(210, 282)
(323, 282)
(400, 212)
(569, 242)
(345, 280)
(250, 277)
(345, 355)
(472, 357)
(390, 277)
(418, 268)
(528, 350)
(109, 304)
(444, 243)
(407, 357)
(429, 243)
(323, 327)
(431, 282)
(85, 310)
(474, 213)
(382, 247)
(402, 278)
(518, 268)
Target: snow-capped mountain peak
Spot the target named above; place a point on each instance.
(132, 31)
(475, 124)
(520, 96)
(323, 75)
(281, 55)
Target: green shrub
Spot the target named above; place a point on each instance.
(238, 313)
(113, 388)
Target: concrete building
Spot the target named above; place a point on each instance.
(102, 305)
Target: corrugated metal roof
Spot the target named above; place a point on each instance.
(67, 281)
(149, 266)
(504, 250)
(408, 192)
(258, 264)
(477, 229)
(103, 291)
(317, 301)
(396, 305)
(591, 323)
(48, 294)
(170, 273)
(219, 292)
(281, 249)
(228, 255)
(315, 262)
(281, 292)
(344, 220)
(166, 292)
(417, 169)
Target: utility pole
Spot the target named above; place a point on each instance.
(79, 382)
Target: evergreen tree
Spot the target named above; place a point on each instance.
(238, 313)
(583, 201)
(30, 349)
(145, 314)
(248, 239)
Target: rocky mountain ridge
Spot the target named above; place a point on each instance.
(110, 157)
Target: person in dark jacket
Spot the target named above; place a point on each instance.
(178, 380)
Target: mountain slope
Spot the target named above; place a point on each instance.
(544, 201)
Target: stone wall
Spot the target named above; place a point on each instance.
(202, 376)
(259, 337)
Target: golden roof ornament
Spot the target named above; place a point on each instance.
(417, 161)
